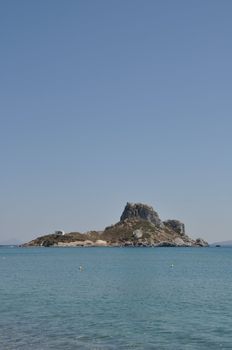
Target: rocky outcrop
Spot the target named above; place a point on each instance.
(176, 226)
(201, 242)
(139, 226)
(141, 211)
(138, 233)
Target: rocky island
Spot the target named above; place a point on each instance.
(139, 226)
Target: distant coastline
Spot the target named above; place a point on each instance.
(227, 244)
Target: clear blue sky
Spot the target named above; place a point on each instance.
(104, 102)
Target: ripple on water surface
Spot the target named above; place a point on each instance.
(140, 298)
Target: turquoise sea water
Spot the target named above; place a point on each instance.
(124, 298)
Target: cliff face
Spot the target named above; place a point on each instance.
(141, 211)
(176, 226)
(139, 225)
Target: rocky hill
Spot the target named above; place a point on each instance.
(139, 225)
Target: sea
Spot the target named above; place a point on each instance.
(115, 298)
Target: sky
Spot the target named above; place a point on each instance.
(107, 102)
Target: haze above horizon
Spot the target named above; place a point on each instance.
(108, 102)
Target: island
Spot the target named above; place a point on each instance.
(139, 226)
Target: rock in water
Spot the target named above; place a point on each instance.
(201, 242)
(139, 226)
